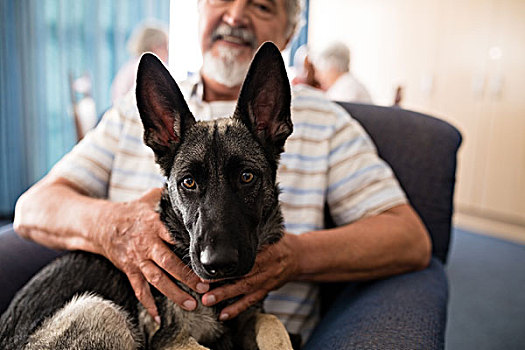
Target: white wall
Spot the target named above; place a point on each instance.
(461, 60)
(184, 47)
(380, 33)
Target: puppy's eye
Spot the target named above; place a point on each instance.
(189, 183)
(246, 177)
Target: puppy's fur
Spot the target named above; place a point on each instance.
(221, 206)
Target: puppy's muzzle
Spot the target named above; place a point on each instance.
(219, 263)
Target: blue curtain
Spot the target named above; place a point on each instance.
(302, 35)
(41, 43)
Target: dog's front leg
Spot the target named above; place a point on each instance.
(270, 333)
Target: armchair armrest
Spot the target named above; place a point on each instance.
(19, 261)
(401, 312)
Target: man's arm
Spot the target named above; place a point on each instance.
(59, 215)
(392, 242)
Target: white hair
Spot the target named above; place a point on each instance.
(293, 9)
(146, 36)
(334, 56)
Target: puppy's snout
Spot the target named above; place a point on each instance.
(219, 262)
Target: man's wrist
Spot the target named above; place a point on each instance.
(294, 243)
(101, 224)
(311, 257)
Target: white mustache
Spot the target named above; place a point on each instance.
(244, 34)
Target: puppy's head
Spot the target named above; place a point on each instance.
(221, 174)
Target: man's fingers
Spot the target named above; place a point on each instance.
(163, 283)
(246, 286)
(242, 304)
(168, 261)
(165, 235)
(143, 294)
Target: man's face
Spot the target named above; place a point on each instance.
(230, 32)
(322, 77)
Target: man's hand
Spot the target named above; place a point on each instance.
(134, 239)
(274, 266)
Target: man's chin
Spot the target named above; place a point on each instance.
(232, 52)
(226, 65)
(241, 49)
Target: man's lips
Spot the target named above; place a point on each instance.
(231, 40)
(234, 40)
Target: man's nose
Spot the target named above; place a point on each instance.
(236, 14)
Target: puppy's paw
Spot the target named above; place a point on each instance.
(270, 333)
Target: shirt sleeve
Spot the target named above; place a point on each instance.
(88, 165)
(360, 184)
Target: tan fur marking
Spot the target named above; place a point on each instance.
(185, 342)
(222, 124)
(106, 324)
(270, 333)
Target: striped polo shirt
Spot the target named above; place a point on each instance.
(327, 159)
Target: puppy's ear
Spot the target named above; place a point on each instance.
(162, 109)
(264, 100)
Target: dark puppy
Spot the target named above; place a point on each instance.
(220, 204)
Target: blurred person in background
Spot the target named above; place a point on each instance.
(332, 70)
(304, 69)
(149, 36)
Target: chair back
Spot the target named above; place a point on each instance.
(422, 152)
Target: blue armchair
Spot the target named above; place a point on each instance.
(406, 311)
(401, 312)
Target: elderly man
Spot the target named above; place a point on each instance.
(332, 69)
(101, 197)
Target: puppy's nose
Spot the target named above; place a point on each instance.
(219, 262)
